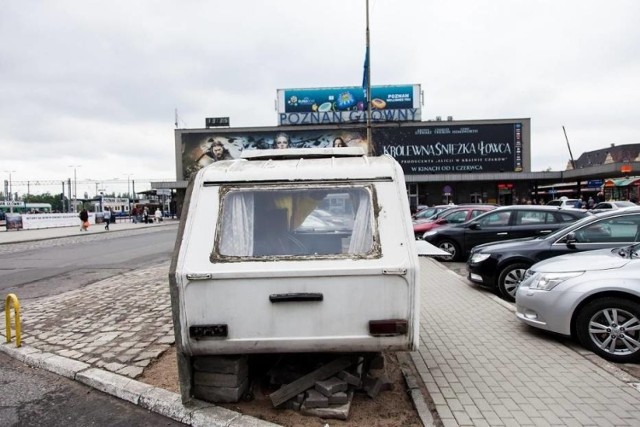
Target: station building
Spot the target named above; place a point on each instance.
(444, 161)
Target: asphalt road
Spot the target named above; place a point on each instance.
(41, 268)
(458, 267)
(32, 397)
(50, 267)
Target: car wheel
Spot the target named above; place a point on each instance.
(610, 327)
(451, 247)
(509, 279)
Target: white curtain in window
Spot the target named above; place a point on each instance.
(362, 236)
(237, 224)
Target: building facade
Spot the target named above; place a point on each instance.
(474, 161)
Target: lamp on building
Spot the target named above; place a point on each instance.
(625, 169)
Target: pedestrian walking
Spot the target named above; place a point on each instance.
(107, 218)
(145, 215)
(158, 215)
(84, 220)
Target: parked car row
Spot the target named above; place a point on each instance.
(570, 271)
(566, 203)
(508, 222)
(451, 215)
(581, 280)
(502, 265)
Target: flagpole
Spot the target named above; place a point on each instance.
(368, 72)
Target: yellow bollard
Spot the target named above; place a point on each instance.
(11, 298)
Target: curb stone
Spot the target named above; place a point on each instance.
(413, 381)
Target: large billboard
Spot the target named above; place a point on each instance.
(200, 149)
(449, 148)
(425, 148)
(394, 103)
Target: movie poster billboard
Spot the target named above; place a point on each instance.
(449, 148)
(340, 105)
(200, 149)
(13, 221)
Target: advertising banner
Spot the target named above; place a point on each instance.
(453, 148)
(348, 105)
(35, 221)
(203, 148)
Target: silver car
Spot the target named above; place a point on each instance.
(593, 296)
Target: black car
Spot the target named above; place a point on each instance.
(508, 222)
(502, 265)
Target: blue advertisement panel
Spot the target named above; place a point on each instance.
(202, 149)
(453, 148)
(324, 100)
(348, 105)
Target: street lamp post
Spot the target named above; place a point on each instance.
(128, 193)
(10, 198)
(75, 186)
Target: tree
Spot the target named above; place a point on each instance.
(54, 200)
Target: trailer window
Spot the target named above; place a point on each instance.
(296, 222)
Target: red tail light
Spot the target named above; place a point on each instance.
(388, 327)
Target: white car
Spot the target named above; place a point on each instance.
(593, 296)
(616, 204)
(566, 203)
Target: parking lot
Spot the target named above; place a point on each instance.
(481, 366)
(460, 268)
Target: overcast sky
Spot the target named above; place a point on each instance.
(96, 83)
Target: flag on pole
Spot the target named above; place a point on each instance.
(365, 76)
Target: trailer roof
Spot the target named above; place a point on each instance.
(301, 164)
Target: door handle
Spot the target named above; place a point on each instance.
(296, 297)
(503, 233)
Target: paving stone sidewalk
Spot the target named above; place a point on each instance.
(120, 324)
(482, 367)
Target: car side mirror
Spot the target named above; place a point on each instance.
(570, 239)
(474, 226)
(441, 221)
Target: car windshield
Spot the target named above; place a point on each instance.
(570, 226)
(442, 214)
(429, 213)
